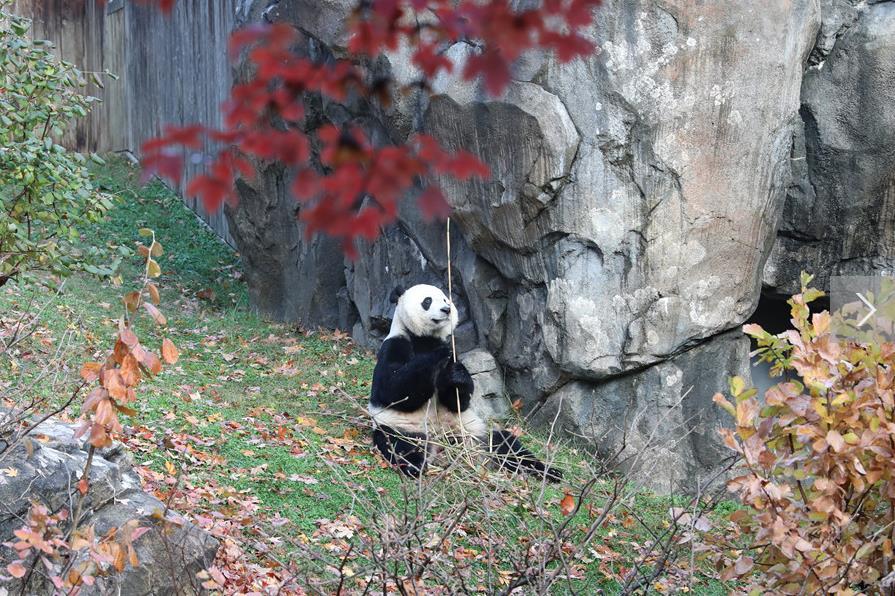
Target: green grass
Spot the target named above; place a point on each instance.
(272, 411)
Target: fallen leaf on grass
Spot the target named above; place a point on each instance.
(567, 505)
(303, 479)
(169, 351)
(206, 294)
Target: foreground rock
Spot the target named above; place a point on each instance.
(47, 468)
(633, 204)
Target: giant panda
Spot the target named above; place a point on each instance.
(419, 392)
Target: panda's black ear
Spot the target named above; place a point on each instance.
(396, 293)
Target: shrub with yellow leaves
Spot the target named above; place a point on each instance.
(817, 453)
(123, 370)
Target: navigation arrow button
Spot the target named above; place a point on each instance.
(870, 306)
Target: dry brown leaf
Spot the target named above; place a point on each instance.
(130, 371)
(90, 371)
(153, 293)
(132, 301)
(567, 505)
(155, 313)
(170, 354)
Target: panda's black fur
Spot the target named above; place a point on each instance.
(418, 391)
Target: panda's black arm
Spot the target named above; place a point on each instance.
(403, 380)
(454, 383)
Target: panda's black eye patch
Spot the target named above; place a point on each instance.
(427, 303)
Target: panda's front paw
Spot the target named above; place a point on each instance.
(553, 475)
(459, 377)
(455, 379)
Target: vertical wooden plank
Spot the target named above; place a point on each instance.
(114, 121)
(173, 69)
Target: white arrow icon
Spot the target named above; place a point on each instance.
(870, 306)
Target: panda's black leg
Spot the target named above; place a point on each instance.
(406, 451)
(513, 456)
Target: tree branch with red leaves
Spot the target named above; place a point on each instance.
(346, 185)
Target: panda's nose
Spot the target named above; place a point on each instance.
(446, 310)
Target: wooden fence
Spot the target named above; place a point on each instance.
(173, 69)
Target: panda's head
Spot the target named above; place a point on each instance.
(423, 311)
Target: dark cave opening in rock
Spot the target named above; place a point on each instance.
(773, 314)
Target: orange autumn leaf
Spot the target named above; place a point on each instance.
(155, 313)
(120, 352)
(127, 337)
(169, 351)
(153, 293)
(90, 371)
(132, 301)
(567, 505)
(130, 371)
(114, 383)
(149, 360)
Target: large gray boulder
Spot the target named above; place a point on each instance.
(47, 467)
(489, 398)
(839, 217)
(660, 426)
(633, 204)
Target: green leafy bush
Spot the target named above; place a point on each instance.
(45, 190)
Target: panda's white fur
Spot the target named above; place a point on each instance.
(411, 319)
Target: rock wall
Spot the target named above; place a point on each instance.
(839, 217)
(634, 202)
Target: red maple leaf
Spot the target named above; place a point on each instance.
(433, 204)
(492, 68)
(166, 164)
(210, 190)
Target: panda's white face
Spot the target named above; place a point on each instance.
(424, 311)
